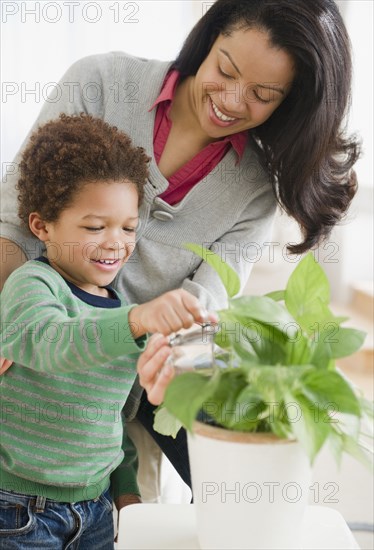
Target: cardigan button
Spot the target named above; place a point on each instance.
(162, 215)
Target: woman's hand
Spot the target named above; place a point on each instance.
(154, 372)
(5, 364)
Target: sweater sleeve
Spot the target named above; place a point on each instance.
(124, 478)
(44, 321)
(93, 74)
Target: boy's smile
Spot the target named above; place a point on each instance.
(94, 236)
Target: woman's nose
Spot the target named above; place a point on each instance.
(232, 99)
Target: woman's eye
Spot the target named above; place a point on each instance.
(259, 98)
(225, 75)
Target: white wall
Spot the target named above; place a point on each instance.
(353, 239)
(359, 17)
(40, 40)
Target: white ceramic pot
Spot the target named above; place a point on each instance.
(250, 490)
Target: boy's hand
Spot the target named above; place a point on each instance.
(5, 364)
(168, 313)
(125, 500)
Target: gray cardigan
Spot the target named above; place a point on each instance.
(230, 210)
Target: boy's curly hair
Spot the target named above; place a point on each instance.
(68, 152)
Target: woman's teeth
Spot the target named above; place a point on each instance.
(220, 115)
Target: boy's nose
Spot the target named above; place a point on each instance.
(123, 247)
(112, 243)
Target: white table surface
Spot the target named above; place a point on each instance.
(173, 527)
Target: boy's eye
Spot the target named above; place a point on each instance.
(94, 228)
(129, 229)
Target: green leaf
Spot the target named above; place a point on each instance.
(321, 355)
(302, 417)
(329, 389)
(226, 273)
(346, 342)
(251, 340)
(299, 350)
(307, 285)
(186, 395)
(265, 310)
(272, 341)
(250, 407)
(336, 445)
(280, 428)
(348, 425)
(360, 453)
(222, 404)
(318, 318)
(333, 342)
(269, 348)
(276, 295)
(342, 442)
(367, 408)
(243, 351)
(223, 337)
(165, 423)
(273, 383)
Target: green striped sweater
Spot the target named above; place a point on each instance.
(61, 402)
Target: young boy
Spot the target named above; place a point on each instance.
(73, 339)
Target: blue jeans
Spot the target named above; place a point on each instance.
(36, 523)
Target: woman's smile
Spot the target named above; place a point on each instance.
(240, 83)
(219, 117)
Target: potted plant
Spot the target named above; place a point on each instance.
(272, 400)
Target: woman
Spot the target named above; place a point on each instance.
(248, 115)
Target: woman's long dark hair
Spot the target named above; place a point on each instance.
(308, 157)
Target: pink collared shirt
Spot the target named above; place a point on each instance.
(196, 169)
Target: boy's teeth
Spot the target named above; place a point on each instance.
(220, 115)
(106, 261)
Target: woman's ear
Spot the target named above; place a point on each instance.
(38, 226)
